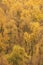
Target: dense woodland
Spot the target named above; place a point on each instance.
(21, 32)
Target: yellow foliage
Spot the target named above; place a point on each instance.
(21, 29)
